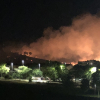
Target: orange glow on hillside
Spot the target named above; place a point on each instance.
(78, 42)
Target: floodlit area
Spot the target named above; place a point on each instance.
(93, 69)
(39, 79)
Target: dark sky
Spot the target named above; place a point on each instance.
(25, 20)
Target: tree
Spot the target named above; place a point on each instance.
(87, 74)
(77, 71)
(82, 71)
(37, 73)
(24, 71)
(96, 81)
(12, 75)
(96, 77)
(61, 70)
(68, 83)
(3, 69)
(66, 78)
(30, 53)
(89, 70)
(50, 72)
(85, 84)
(15, 75)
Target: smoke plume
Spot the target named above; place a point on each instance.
(80, 41)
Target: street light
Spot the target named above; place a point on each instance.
(94, 88)
(91, 63)
(23, 62)
(11, 66)
(93, 69)
(39, 65)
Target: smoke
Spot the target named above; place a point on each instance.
(80, 41)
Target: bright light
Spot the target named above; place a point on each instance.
(93, 69)
(22, 62)
(39, 65)
(95, 86)
(7, 69)
(12, 66)
(73, 63)
(98, 69)
(91, 63)
(61, 66)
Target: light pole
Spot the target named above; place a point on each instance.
(94, 88)
(11, 66)
(23, 62)
(98, 93)
(39, 65)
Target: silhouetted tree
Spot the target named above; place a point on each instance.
(30, 53)
(96, 77)
(85, 85)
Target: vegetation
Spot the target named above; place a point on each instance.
(50, 72)
(24, 72)
(57, 71)
(85, 84)
(37, 73)
(3, 69)
(54, 70)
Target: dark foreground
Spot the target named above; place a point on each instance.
(19, 91)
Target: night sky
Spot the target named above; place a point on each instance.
(25, 20)
(58, 30)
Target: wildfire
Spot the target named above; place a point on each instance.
(78, 42)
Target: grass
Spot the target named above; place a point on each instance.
(91, 96)
(27, 91)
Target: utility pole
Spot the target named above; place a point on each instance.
(98, 93)
(94, 89)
